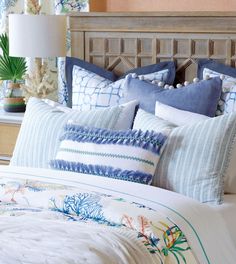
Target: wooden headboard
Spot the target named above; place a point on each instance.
(122, 41)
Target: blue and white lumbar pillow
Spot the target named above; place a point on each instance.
(125, 155)
(90, 90)
(227, 102)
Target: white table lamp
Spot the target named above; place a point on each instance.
(37, 36)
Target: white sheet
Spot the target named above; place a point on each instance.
(203, 226)
(228, 212)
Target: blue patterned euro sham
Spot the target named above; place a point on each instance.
(201, 97)
(43, 125)
(125, 155)
(215, 66)
(69, 65)
(227, 102)
(89, 87)
(211, 69)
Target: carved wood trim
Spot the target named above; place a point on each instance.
(122, 41)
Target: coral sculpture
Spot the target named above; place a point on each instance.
(33, 7)
(38, 83)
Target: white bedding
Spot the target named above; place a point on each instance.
(228, 212)
(32, 235)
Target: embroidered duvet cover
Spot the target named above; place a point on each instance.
(57, 217)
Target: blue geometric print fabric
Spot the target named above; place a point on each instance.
(227, 102)
(90, 90)
(125, 155)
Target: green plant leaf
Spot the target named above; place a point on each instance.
(11, 68)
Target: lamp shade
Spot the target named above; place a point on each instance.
(37, 36)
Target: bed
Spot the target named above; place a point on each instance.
(52, 216)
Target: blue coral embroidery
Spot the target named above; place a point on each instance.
(84, 205)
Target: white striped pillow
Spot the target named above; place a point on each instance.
(177, 116)
(125, 155)
(146, 121)
(43, 125)
(196, 158)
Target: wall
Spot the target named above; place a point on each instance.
(97, 5)
(162, 5)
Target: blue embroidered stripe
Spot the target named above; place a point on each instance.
(105, 171)
(110, 155)
(149, 140)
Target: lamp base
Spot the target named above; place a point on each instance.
(38, 83)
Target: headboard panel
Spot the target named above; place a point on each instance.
(122, 41)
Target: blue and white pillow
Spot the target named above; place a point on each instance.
(227, 102)
(211, 69)
(195, 161)
(43, 124)
(125, 155)
(92, 87)
(90, 90)
(69, 65)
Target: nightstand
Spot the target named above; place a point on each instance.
(9, 128)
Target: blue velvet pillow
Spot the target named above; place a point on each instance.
(201, 97)
(215, 66)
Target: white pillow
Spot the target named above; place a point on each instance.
(230, 176)
(176, 116)
(42, 126)
(179, 118)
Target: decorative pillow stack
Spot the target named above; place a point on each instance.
(201, 97)
(125, 155)
(195, 161)
(90, 86)
(43, 125)
(211, 69)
